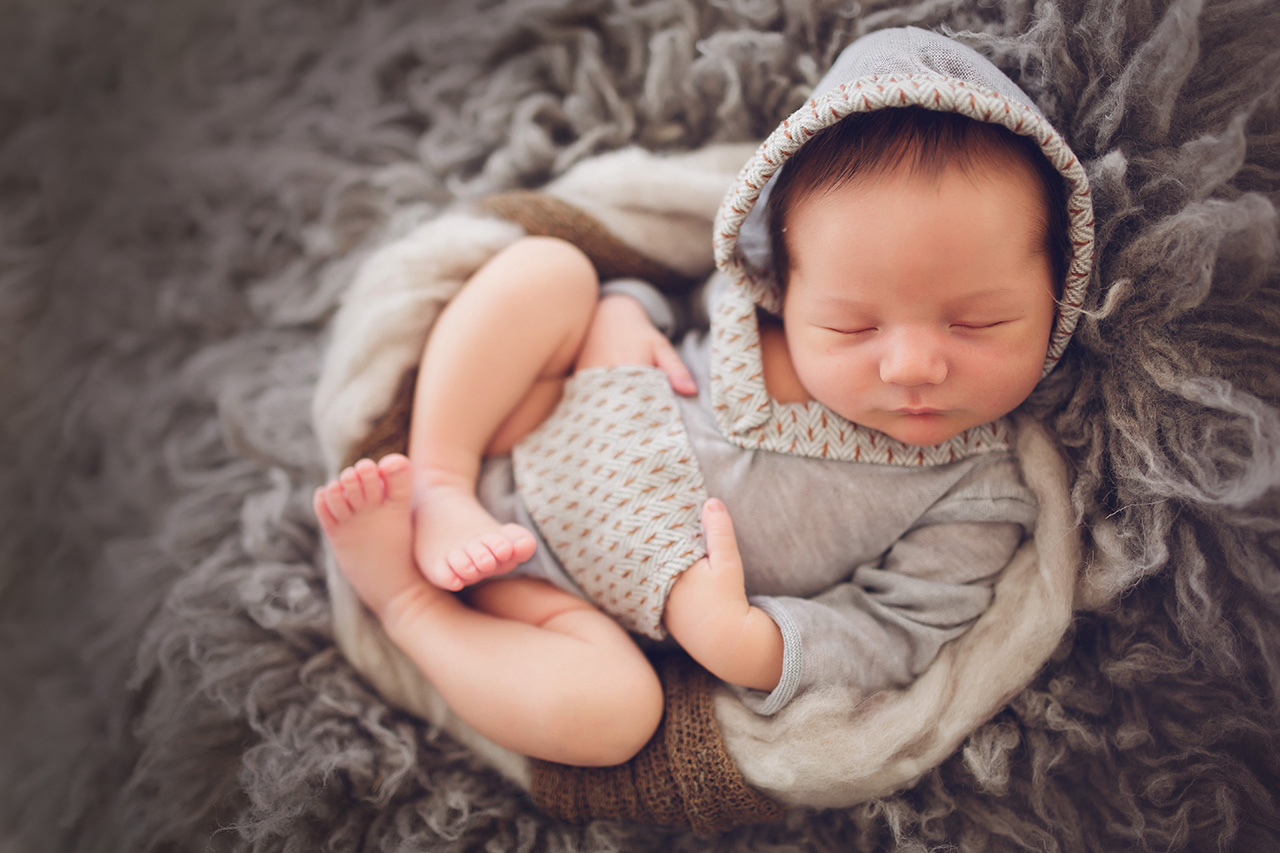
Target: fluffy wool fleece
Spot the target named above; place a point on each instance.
(186, 189)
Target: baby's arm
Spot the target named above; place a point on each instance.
(886, 624)
(880, 629)
(708, 614)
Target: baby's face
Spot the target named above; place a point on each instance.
(921, 306)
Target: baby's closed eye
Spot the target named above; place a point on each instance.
(980, 324)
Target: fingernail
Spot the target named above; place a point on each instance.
(715, 505)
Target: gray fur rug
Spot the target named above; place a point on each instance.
(185, 188)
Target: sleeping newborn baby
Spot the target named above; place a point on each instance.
(829, 496)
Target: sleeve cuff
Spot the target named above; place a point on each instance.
(792, 662)
(650, 298)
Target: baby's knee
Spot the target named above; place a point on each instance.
(631, 722)
(556, 268)
(614, 723)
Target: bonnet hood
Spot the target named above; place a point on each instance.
(887, 69)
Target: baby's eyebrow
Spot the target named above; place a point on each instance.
(990, 293)
(840, 301)
(837, 300)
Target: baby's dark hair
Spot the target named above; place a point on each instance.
(866, 144)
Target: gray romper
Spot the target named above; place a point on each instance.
(867, 553)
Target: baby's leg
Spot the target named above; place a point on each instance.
(584, 694)
(499, 349)
(542, 673)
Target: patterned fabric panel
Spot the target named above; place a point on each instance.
(611, 481)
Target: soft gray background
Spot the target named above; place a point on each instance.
(184, 188)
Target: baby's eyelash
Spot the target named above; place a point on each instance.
(978, 325)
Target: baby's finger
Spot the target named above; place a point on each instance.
(722, 545)
(668, 360)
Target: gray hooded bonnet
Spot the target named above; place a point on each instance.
(884, 70)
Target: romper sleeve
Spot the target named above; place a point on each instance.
(670, 316)
(884, 626)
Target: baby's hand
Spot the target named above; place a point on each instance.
(708, 614)
(712, 589)
(621, 334)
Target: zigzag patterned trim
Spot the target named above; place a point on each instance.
(933, 92)
(750, 418)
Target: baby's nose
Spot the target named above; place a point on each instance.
(913, 357)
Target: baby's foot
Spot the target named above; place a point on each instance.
(365, 515)
(457, 542)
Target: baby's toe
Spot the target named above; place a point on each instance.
(397, 476)
(321, 508)
(499, 545)
(459, 564)
(463, 565)
(370, 481)
(522, 542)
(353, 487)
(482, 560)
(442, 576)
(335, 497)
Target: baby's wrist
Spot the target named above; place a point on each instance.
(751, 653)
(736, 642)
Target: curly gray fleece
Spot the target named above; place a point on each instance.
(184, 190)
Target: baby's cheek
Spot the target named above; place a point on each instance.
(1003, 382)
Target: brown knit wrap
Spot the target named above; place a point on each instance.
(390, 431)
(682, 777)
